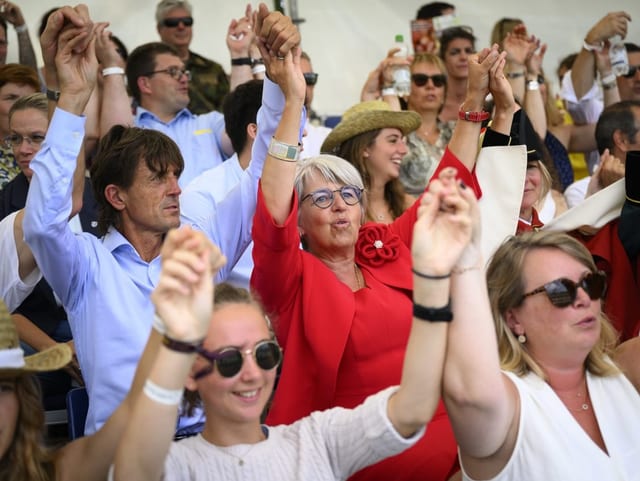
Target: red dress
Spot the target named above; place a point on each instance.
(341, 346)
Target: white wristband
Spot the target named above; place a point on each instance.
(592, 48)
(388, 91)
(608, 79)
(21, 28)
(112, 71)
(158, 324)
(168, 397)
(258, 69)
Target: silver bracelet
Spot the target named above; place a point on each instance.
(161, 395)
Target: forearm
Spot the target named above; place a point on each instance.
(26, 54)
(149, 433)
(31, 334)
(534, 107)
(419, 393)
(473, 387)
(239, 74)
(116, 108)
(278, 175)
(583, 73)
(464, 141)
(26, 261)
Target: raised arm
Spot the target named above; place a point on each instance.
(115, 106)
(279, 172)
(13, 15)
(481, 402)
(183, 300)
(441, 233)
(584, 67)
(240, 35)
(379, 83)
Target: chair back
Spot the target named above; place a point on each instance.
(77, 407)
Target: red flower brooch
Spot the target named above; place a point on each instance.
(377, 244)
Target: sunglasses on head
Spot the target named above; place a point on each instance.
(229, 361)
(310, 78)
(173, 22)
(632, 71)
(562, 292)
(420, 79)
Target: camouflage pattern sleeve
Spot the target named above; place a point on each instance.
(208, 86)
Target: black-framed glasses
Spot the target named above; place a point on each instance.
(15, 140)
(229, 361)
(323, 198)
(632, 71)
(562, 292)
(421, 79)
(173, 22)
(175, 73)
(310, 78)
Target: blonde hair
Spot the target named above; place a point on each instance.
(506, 288)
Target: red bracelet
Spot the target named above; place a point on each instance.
(473, 116)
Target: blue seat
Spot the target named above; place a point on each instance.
(77, 407)
(332, 120)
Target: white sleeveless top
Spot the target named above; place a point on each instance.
(552, 446)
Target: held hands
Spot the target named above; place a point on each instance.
(277, 39)
(479, 73)
(447, 219)
(240, 34)
(183, 297)
(500, 87)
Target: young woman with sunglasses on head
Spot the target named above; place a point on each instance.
(227, 352)
(545, 401)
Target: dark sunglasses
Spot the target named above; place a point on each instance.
(632, 71)
(173, 22)
(420, 79)
(562, 292)
(310, 78)
(324, 198)
(228, 361)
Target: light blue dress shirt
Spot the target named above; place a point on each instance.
(103, 283)
(199, 138)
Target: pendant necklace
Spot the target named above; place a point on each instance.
(239, 458)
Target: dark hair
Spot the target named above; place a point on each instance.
(631, 47)
(3, 24)
(121, 48)
(433, 9)
(45, 19)
(618, 116)
(119, 153)
(352, 150)
(240, 108)
(453, 33)
(142, 61)
(20, 75)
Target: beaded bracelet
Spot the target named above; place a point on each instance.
(433, 314)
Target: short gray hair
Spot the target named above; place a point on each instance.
(166, 5)
(332, 169)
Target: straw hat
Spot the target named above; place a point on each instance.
(368, 116)
(12, 358)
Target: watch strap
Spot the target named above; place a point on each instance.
(53, 95)
(242, 61)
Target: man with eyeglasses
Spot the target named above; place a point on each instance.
(315, 132)
(209, 82)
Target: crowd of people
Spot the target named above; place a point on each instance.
(425, 291)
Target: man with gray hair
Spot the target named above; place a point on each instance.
(209, 82)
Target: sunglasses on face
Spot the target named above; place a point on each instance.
(15, 140)
(173, 22)
(310, 78)
(229, 361)
(562, 292)
(420, 79)
(632, 71)
(324, 198)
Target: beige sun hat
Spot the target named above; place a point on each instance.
(368, 116)
(12, 358)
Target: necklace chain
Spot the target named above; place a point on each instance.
(239, 458)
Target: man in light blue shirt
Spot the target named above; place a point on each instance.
(104, 284)
(199, 201)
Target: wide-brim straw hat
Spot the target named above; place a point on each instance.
(368, 116)
(12, 358)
